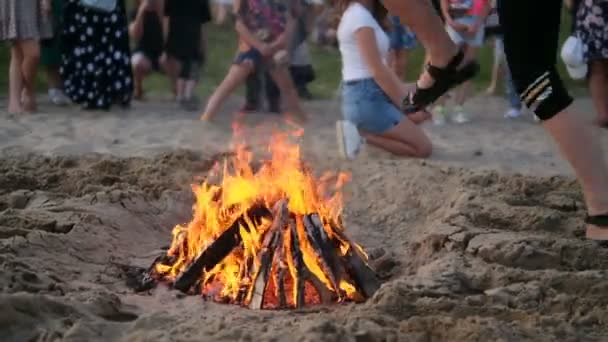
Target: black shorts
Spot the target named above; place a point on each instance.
(531, 33)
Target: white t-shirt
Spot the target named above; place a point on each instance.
(354, 18)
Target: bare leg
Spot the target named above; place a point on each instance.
(172, 67)
(497, 69)
(421, 17)
(53, 78)
(283, 80)
(15, 80)
(406, 139)
(237, 74)
(598, 85)
(189, 88)
(180, 89)
(141, 68)
(582, 149)
(29, 68)
(462, 93)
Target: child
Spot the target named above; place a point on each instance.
(372, 93)
(146, 31)
(185, 48)
(465, 21)
(263, 29)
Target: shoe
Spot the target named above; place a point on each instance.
(439, 115)
(349, 140)
(460, 116)
(512, 113)
(57, 97)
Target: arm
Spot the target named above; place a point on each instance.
(445, 10)
(386, 79)
(283, 40)
(136, 28)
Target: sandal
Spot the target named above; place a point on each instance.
(599, 221)
(445, 78)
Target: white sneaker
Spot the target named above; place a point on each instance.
(57, 97)
(439, 115)
(513, 113)
(460, 117)
(349, 139)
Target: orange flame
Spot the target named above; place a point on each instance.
(217, 207)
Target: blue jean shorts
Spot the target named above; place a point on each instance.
(400, 36)
(367, 106)
(252, 55)
(458, 38)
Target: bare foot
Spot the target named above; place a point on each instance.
(15, 108)
(206, 117)
(296, 118)
(491, 90)
(29, 102)
(138, 94)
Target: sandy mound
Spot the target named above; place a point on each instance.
(463, 256)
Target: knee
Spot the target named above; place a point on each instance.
(424, 149)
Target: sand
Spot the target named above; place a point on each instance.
(482, 242)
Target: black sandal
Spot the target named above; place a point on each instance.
(445, 78)
(600, 221)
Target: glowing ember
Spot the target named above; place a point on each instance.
(268, 238)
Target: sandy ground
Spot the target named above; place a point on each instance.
(483, 242)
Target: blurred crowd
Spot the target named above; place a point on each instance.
(99, 53)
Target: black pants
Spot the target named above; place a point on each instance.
(301, 76)
(531, 33)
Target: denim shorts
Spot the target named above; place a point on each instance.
(459, 38)
(400, 36)
(252, 55)
(367, 106)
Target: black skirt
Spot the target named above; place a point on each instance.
(96, 60)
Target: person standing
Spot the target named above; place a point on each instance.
(50, 57)
(146, 30)
(465, 21)
(403, 40)
(591, 26)
(24, 23)
(185, 48)
(96, 66)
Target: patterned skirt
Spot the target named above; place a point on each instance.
(23, 19)
(592, 27)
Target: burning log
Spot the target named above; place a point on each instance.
(272, 241)
(216, 252)
(297, 255)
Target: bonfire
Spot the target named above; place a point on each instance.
(267, 237)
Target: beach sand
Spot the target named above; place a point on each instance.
(482, 242)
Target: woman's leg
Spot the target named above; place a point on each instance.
(598, 85)
(141, 68)
(462, 93)
(531, 29)
(237, 74)
(31, 57)
(406, 139)
(497, 66)
(283, 80)
(15, 80)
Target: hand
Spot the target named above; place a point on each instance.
(458, 26)
(145, 5)
(266, 50)
(472, 29)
